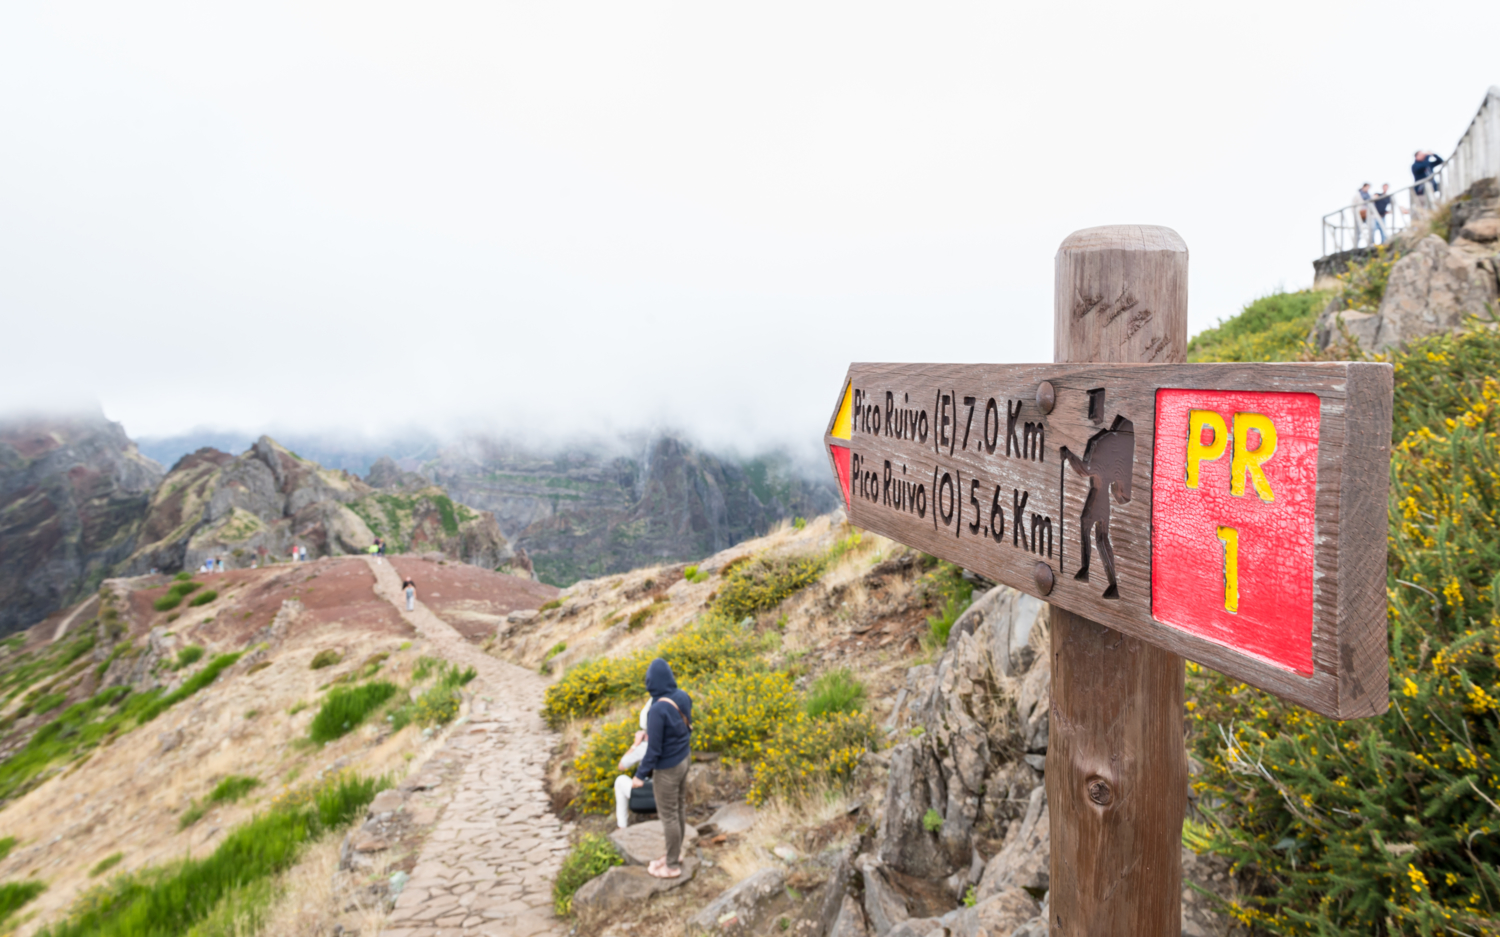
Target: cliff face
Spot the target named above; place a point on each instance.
(581, 515)
(73, 496)
(255, 507)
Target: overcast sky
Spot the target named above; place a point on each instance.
(562, 219)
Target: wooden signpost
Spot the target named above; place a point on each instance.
(1232, 514)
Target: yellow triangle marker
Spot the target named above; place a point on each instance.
(843, 424)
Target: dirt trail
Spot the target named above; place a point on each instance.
(487, 868)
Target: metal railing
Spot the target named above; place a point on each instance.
(1476, 157)
(1345, 229)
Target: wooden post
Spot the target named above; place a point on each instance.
(1116, 765)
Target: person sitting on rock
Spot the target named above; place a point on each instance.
(623, 785)
(669, 729)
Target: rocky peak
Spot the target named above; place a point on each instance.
(73, 494)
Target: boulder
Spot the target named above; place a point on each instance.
(1024, 861)
(625, 886)
(729, 819)
(919, 927)
(741, 908)
(836, 896)
(850, 920)
(915, 785)
(885, 907)
(523, 616)
(644, 842)
(1433, 289)
(1001, 913)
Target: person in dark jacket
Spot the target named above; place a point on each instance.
(669, 727)
(1423, 163)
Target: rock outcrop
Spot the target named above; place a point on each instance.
(74, 492)
(965, 809)
(256, 506)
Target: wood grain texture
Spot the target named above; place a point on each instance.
(1116, 783)
(1348, 628)
(1116, 765)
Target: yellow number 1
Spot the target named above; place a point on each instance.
(1231, 540)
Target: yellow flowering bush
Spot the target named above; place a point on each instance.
(1388, 825)
(597, 766)
(805, 752)
(734, 713)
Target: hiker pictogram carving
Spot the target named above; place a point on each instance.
(1107, 461)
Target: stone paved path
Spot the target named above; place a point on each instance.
(488, 866)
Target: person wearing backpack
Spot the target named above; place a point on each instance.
(669, 727)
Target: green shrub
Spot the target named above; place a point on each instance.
(189, 655)
(555, 650)
(15, 895)
(799, 523)
(203, 598)
(955, 593)
(6, 845)
(837, 691)
(424, 667)
(763, 582)
(232, 788)
(167, 602)
(805, 752)
(693, 574)
(1387, 825)
(46, 704)
(1274, 327)
(105, 864)
(639, 617)
(549, 606)
(591, 856)
(181, 577)
(191, 815)
(325, 658)
(184, 588)
(346, 707)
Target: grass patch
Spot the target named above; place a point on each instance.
(189, 655)
(203, 598)
(15, 895)
(85, 725)
(232, 788)
(346, 707)
(837, 691)
(438, 704)
(105, 864)
(168, 901)
(325, 658)
(592, 856)
(6, 845)
(639, 618)
(549, 606)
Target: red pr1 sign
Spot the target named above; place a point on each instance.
(1234, 508)
(1232, 514)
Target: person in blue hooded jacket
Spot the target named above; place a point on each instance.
(669, 727)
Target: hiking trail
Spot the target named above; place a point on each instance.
(488, 866)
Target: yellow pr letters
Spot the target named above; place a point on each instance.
(1249, 462)
(1198, 453)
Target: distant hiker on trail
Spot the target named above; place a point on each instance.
(380, 546)
(1421, 168)
(625, 789)
(669, 727)
(410, 588)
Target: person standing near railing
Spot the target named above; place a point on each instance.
(1364, 217)
(1421, 168)
(1383, 208)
